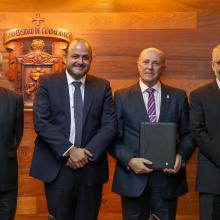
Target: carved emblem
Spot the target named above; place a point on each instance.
(34, 51)
(31, 87)
(37, 55)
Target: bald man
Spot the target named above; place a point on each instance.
(205, 127)
(145, 191)
(75, 123)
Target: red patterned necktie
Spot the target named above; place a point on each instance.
(151, 107)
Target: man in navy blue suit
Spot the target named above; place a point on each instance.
(145, 191)
(75, 122)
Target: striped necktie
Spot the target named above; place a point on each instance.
(78, 113)
(151, 107)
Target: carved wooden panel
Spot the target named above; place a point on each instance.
(118, 30)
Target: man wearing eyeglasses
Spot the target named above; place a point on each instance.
(205, 127)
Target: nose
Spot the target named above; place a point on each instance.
(149, 65)
(80, 60)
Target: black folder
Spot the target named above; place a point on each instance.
(158, 143)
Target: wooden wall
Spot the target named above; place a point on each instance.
(118, 30)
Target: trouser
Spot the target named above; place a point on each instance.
(8, 203)
(69, 198)
(209, 206)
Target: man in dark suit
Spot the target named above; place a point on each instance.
(11, 130)
(75, 122)
(205, 128)
(145, 191)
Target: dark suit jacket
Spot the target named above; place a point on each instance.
(11, 130)
(52, 125)
(205, 128)
(131, 111)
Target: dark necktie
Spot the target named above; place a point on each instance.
(151, 108)
(78, 113)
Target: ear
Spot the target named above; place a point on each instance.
(213, 66)
(138, 65)
(64, 59)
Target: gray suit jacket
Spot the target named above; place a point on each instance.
(131, 111)
(205, 127)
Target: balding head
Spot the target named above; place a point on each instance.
(151, 64)
(160, 54)
(216, 53)
(76, 41)
(78, 58)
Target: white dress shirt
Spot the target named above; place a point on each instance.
(218, 83)
(71, 87)
(157, 96)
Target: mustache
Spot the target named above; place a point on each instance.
(78, 64)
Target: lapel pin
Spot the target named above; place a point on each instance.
(168, 96)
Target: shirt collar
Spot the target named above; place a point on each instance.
(218, 83)
(70, 79)
(144, 87)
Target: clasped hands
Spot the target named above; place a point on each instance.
(78, 158)
(143, 166)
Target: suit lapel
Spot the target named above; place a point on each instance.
(3, 110)
(215, 89)
(3, 101)
(65, 98)
(165, 102)
(215, 93)
(88, 96)
(137, 101)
